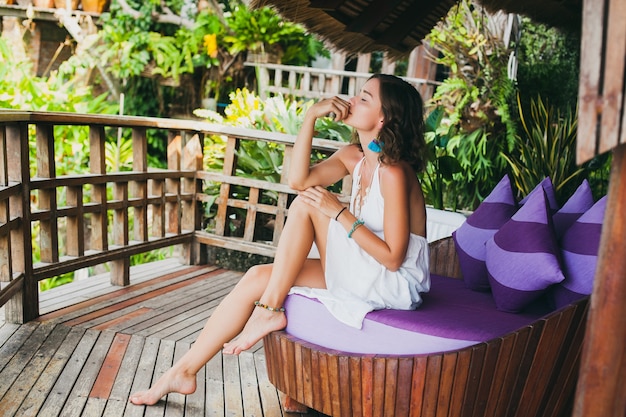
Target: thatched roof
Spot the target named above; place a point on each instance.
(398, 26)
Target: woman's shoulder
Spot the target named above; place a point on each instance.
(400, 171)
(350, 155)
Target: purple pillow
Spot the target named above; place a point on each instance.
(547, 186)
(480, 226)
(523, 256)
(579, 247)
(574, 207)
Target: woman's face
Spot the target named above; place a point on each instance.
(366, 114)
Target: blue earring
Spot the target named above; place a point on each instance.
(375, 146)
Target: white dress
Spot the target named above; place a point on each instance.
(357, 283)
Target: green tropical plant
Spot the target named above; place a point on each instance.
(549, 62)
(547, 148)
(442, 165)
(475, 97)
(263, 31)
(201, 55)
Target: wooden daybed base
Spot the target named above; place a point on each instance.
(526, 373)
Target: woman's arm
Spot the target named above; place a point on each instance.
(301, 174)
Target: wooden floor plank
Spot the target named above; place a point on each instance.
(175, 406)
(31, 371)
(93, 407)
(60, 392)
(268, 395)
(132, 298)
(179, 308)
(6, 331)
(15, 342)
(150, 299)
(232, 386)
(87, 377)
(250, 393)
(195, 404)
(178, 328)
(74, 310)
(113, 324)
(18, 362)
(164, 361)
(143, 377)
(103, 385)
(160, 311)
(42, 388)
(118, 398)
(99, 285)
(215, 405)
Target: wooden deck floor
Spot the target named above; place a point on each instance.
(84, 359)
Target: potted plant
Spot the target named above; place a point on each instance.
(95, 6)
(66, 4)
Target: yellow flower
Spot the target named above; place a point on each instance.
(210, 43)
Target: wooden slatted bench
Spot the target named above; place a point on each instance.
(528, 372)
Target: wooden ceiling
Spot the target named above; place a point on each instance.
(398, 26)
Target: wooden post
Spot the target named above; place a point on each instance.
(25, 306)
(75, 222)
(139, 189)
(120, 269)
(172, 187)
(422, 66)
(97, 165)
(47, 198)
(230, 166)
(601, 389)
(192, 160)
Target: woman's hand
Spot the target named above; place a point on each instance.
(335, 107)
(322, 199)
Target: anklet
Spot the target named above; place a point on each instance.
(265, 306)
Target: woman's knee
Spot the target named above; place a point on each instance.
(298, 206)
(300, 209)
(256, 275)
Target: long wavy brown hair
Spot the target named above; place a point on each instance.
(402, 134)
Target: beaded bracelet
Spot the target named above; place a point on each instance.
(355, 226)
(265, 306)
(339, 214)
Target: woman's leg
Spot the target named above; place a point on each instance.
(304, 225)
(235, 310)
(225, 323)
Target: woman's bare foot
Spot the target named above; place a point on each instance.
(260, 323)
(171, 381)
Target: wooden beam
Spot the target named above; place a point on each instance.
(601, 389)
(372, 16)
(614, 77)
(405, 24)
(326, 4)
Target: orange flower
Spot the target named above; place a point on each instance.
(210, 43)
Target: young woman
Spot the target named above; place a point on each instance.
(373, 255)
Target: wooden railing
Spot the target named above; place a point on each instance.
(316, 83)
(99, 216)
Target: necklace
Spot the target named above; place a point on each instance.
(361, 194)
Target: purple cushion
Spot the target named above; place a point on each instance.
(451, 317)
(479, 227)
(523, 256)
(579, 248)
(574, 207)
(547, 186)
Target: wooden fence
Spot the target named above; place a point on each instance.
(51, 224)
(315, 83)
